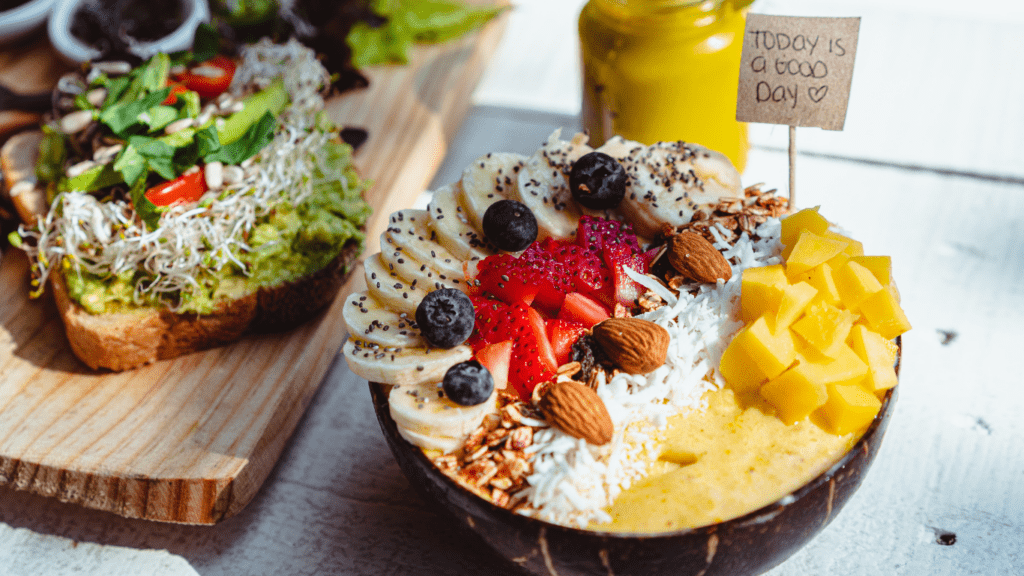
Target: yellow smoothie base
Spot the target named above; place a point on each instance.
(723, 462)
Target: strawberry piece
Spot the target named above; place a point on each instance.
(563, 334)
(618, 256)
(533, 278)
(539, 327)
(504, 277)
(582, 309)
(497, 358)
(532, 360)
(489, 324)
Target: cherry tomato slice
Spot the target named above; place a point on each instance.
(184, 188)
(172, 98)
(210, 78)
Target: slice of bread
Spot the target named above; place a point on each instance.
(125, 340)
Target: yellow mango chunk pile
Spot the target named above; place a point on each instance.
(818, 339)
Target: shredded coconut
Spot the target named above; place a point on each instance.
(573, 481)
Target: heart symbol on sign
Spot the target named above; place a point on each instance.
(817, 94)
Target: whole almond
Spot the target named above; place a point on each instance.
(697, 259)
(636, 346)
(578, 411)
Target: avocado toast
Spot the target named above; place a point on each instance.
(172, 210)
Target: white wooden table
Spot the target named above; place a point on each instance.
(930, 169)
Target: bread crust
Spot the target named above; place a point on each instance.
(125, 340)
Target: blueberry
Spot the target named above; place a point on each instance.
(510, 225)
(597, 181)
(468, 383)
(445, 317)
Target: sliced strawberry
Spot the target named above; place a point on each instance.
(491, 323)
(532, 359)
(501, 275)
(617, 257)
(563, 334)
(539, 327)
(497, 358)
(534, 277)
(582, 309)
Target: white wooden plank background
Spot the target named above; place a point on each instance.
(937, 182)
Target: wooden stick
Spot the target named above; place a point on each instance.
(792, 167)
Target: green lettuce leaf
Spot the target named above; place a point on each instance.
(409, 21)
(252, 141)
(143, 154)
(119, 117)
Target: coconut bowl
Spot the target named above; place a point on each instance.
(748, 545)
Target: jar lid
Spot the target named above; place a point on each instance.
(656, 4)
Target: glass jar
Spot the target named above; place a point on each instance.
(664, 70)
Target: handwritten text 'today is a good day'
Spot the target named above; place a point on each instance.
(792, 57)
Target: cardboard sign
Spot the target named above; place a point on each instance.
(797, 71)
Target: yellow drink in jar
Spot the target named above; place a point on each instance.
(664, 70)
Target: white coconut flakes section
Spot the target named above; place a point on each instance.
(573, 481)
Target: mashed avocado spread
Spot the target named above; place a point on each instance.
(288, 243)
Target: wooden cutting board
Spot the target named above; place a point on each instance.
(192, 439)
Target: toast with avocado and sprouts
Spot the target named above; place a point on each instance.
(176, 205)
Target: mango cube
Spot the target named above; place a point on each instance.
(855, 283)
(825, 328)
(854, 247)
(810, 250)
(821, 278)
(795, 298)
(755, 355)
(883, 313)
(874, 350)
(794, 224)
(838, 261)
(849, 408)
(761, 291)
(880, 266)
(795, 393)
(845, 368)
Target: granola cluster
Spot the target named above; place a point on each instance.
(738, 215)
(492, 463)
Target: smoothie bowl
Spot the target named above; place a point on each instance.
(621, 361)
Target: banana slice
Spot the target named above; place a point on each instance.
(409, 231)
(397, 365)
(454, 229)
(416, 273)
(372, 321)
(544, 185)
(619, 148)
(697, 177)
(421, 410)
(491, 178)
(386, 286)
(445, 444)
